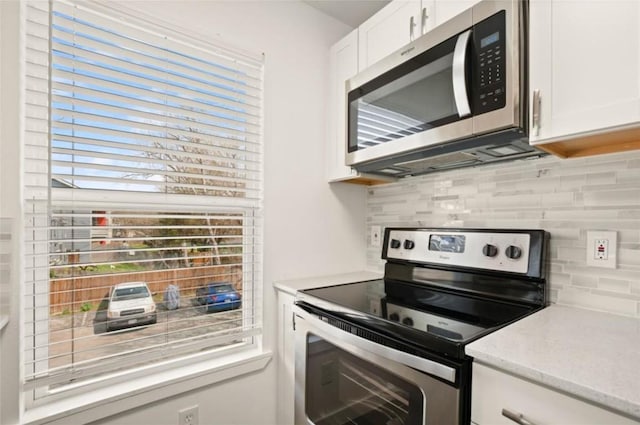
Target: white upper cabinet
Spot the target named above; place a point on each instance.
(343, 64)
(447, 9)
(584, 72)
(394, 26)
(401, 22)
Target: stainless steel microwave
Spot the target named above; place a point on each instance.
(455, 97)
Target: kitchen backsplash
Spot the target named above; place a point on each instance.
(564, 197)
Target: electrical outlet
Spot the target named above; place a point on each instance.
(188, 416)
(601, 249)
(374, 307)
(375, 236)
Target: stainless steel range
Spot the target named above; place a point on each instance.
(392, 351)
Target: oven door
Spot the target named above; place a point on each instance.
(342, 378)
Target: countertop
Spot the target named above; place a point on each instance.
(590, 354)
(294, 285)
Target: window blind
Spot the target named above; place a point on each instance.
(143, 163)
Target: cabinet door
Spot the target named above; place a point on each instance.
(584, 60)
(343, 57)
(388, 30)
(286, 359)
(447, 9)
(493, 390)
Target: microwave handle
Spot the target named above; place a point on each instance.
(458, 74)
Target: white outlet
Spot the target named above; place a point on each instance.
(374, 307)
(375, 235)
(601, 249)
(188, 416)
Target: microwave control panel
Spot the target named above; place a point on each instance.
(490, 63)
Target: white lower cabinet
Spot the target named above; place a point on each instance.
(286, 359)
(494, 391)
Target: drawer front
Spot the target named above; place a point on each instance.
(493, 391)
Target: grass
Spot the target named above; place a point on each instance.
(117, 268)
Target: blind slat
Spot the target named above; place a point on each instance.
(78, 46)
(113, 104)
(95, 84)
(136, 359)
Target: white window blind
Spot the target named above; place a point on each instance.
(143, 158)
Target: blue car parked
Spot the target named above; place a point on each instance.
(218, 296)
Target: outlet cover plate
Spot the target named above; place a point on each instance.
(375, 236)
(189, 416)
(596, 241)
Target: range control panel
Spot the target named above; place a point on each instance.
(499, 251)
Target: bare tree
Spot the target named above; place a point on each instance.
(194, 167)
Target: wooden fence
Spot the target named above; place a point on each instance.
(73, 293)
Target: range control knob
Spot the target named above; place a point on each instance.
(395, 244)
(513, 252)
(409, 244)
(394, 317)
(407, 321)
(490, 250)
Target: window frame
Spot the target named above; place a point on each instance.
(213, 365)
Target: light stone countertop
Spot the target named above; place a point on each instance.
(590, 354)
(294, 285)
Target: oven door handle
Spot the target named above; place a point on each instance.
(338, 336)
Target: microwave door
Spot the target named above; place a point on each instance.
(422, 102)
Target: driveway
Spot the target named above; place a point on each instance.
(87, 339)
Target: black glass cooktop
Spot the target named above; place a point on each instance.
(427, 317)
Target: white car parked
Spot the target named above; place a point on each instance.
(130, 304)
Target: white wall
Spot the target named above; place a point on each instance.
(311, 227)
(9, 201)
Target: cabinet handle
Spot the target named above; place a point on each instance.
(516, 417)
(536, 112)
(425, 16)
(412, 25)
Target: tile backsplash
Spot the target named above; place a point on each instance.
(566, 197)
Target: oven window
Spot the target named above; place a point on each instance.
(344, 389)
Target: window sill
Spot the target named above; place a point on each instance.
(124, 396)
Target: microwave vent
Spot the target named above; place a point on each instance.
(449, 160)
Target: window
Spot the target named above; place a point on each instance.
(143, 187)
